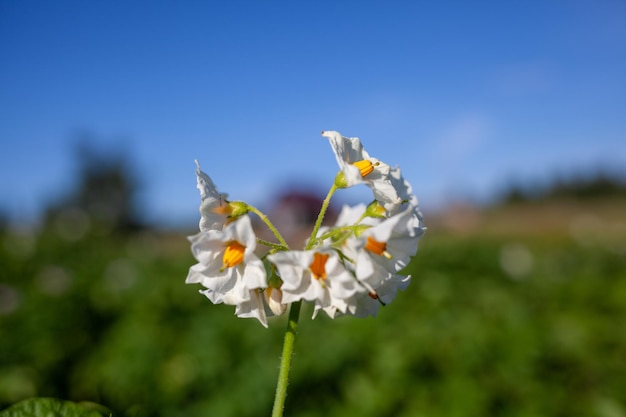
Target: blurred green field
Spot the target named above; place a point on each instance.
(510, 324)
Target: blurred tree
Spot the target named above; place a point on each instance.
(105, 191)
(584, 185)
(4, 220)
(597, 185)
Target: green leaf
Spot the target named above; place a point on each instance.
(51, 407)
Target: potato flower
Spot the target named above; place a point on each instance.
(227, 266)
(314, 275)
(358, 167)
(352, 268)
(384, 249)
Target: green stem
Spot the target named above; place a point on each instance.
(320, 217)
(269, 225)
(285, 360)
(275, 246)
(294, 312)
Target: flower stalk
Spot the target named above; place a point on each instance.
(285, 360)
(292, 324)
(320, 217)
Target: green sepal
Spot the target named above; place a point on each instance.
(360, 228)
(340, 180)
(239, 208)
(273, 280)
(375, 210)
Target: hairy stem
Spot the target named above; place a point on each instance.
(285, 360)
(269, 225)
(320, 218)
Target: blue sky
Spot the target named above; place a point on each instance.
(461, 95)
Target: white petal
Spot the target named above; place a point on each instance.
(254, 274)
(253, 308)
(205, 185)
(216, 298)
(349, 215)
(211, 199)
(205, 246)
(241, 230)
(291, 266)
(224, 282)
(389, 289)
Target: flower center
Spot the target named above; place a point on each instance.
(365, 166)
(318, 264)
(233, 255)
(376, 247)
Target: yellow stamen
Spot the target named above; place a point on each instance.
(376, 247)
(318, 264)
(233, 255)
(365, 166)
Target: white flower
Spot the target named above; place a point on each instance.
(376, 252)
(358, 167)
(214, 209)
(227, 266)
(385, 249)
(350, 269)
(315, 275)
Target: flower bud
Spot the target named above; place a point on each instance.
(274, 296)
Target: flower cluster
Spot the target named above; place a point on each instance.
(352, 268)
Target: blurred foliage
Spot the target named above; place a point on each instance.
(489, 326)
(601, 183)
(93, 307)
(50, 407)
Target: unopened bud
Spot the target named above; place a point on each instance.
(274, 296)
